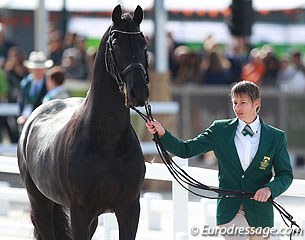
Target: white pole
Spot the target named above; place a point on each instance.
(161, 48)
(41, 27)
(180, 201)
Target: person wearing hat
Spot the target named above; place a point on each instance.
(33, 86)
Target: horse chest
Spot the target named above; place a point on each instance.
(108, 167)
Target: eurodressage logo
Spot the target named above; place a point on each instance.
(265, 163)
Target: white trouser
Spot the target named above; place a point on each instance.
(238, 227)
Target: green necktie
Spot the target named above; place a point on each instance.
(247, 130)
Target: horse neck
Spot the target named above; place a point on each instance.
(105, 112)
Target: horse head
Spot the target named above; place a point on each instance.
(126, 56)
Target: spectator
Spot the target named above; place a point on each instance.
(70, 40)
(72, 64)
(188, 71)
(290, 77)
(272, 66)
(33, 86)
(55, 79)
(81, 46)
(171, 45)
(3, 97)
(237, 58)
(3, 86)
(215, 68)
(15, 71)
(5, 45)
(55, 47)
(255, 68)
(296, 58)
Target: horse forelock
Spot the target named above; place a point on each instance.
(127, 24)
(126, 16)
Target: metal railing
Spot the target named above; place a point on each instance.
(159, 107)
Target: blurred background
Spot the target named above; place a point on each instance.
(198, 49)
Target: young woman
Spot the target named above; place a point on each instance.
(247, 149)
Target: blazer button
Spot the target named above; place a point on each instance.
(243, 176)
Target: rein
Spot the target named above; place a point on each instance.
(182, 177)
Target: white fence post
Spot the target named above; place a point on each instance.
(153, 216)
(180, 202)
(110, 225)
(4, 203)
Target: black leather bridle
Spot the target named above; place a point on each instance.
(111, 64)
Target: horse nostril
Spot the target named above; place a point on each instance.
(138, 97)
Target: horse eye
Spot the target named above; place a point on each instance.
(115, 44)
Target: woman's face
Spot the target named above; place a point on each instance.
(244, 108)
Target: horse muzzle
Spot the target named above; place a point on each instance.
(136, 78)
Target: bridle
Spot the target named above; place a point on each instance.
(111, 63)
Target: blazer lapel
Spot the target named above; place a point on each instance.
(263, 147)
(229, 133)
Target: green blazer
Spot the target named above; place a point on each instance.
(272, 153)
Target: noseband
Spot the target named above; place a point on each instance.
(111, 64)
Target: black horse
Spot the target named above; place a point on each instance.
(79, 158)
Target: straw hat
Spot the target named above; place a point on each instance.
(38, 60)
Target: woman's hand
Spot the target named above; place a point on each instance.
(155, 127)
(262, 195)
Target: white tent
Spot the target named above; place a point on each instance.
(102, 5)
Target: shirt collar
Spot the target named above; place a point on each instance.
(55, 90)
(254, 125)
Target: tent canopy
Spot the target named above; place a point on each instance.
(170, 5)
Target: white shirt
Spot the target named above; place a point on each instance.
(247, 146)
(52, 93)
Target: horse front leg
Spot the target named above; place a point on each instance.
(128, 219)
(80, 223)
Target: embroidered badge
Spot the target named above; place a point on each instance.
(265, 163)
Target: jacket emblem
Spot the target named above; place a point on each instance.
(265, 163)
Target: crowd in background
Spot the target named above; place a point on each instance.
(210, 65)
(31, 80)
(216, 64)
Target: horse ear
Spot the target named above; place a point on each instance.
(116, 14)
(138, 15)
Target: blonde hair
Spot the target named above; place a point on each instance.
(247, 88)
